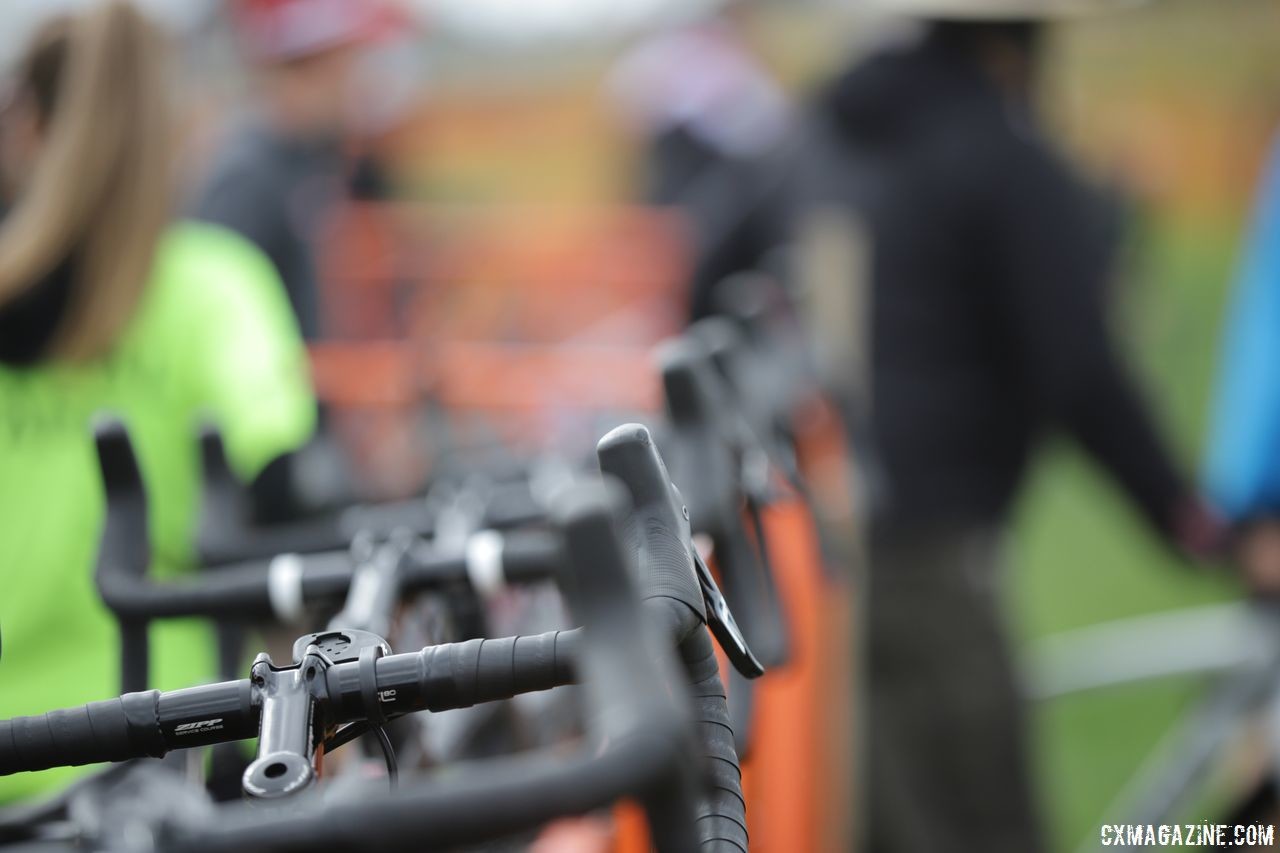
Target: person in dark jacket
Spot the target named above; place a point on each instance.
(712, 119)
(986, 262)
(285, 168)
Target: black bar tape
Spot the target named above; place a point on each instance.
(235, 592)
(113, 730)
(435, 573)
(722, 814)
(530, 555)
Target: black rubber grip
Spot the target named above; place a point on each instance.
(113, 730)
(656, 533)
(458, 675)
(478, 671)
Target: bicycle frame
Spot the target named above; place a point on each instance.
(1238, 644)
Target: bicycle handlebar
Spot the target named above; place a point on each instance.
(725, 472)
(229, 539)
(150, 724)
(275, 588)
(739, 367)
(705, 436)
(657, 533)
(260, 587)
(631, 712)
(282, 587)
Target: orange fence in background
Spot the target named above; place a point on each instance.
(560, 275)
(509, 379)
(538, 318)
(795, 778)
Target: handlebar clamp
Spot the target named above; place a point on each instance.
(293, 724)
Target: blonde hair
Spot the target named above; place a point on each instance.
(102, 187)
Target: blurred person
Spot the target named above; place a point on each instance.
(1242, 469)
(288, 165)
(985, 260)
(108, 306)
(712, 119)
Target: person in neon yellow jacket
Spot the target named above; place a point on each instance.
(107, 306)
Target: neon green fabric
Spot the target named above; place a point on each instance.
(214, 340)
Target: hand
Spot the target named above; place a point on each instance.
(1259, 554)
(1198, 531)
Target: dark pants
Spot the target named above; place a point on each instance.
(946, 757)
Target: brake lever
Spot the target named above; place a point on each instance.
(723, 626)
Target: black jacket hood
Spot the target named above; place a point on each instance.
(891, 95)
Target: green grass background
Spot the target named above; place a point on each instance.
(1081, 554)
(1181, 97)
